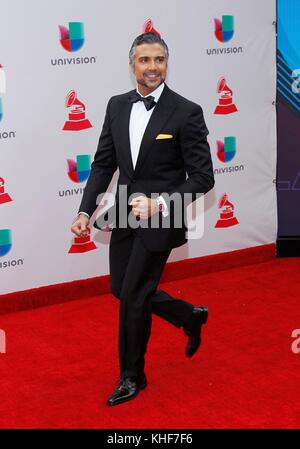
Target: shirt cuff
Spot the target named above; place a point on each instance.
(165, 211)
(84, 213)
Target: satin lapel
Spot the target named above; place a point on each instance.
(162, 111)
(123, 132)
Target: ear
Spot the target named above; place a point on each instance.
(131, 65)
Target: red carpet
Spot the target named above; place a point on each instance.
(61, 361)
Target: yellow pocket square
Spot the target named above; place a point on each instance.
(164, 136)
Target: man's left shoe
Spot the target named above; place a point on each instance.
(193, 331)
(127, 389)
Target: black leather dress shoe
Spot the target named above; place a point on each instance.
(127, 389)
(193, 331)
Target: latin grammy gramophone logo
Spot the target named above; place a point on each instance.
(226, 150)
(225, 105)
(79, 170)
(4, 197)
(82, 244)
(77, 120)
(224, 29)
(148, 27)
(227, 218)
(2, 89)
(72, 38)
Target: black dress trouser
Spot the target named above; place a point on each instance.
(134, 275)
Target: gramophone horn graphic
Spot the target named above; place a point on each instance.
(227, 217)
(149, 28)
(77, 120)
(225, 106)
(82, 244)
(4, 197)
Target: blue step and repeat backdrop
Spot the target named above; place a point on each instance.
(288, 87)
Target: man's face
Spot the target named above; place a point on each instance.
(149, 67)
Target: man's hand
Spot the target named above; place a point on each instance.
(144, 207)
(80, 224)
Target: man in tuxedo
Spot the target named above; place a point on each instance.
(158, 140)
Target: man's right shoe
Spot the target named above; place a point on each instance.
(193, 331)
(128, 389)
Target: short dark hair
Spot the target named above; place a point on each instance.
(147, 38)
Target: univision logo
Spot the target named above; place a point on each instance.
(224, 31)
(5, 241)
(5, 247)
(2, 88)
(72, 39)
(4, 134)
(7, 135)
(79, 170)
(226, 150)
(2, 80)
(1, 109)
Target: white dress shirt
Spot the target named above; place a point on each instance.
(139, 118)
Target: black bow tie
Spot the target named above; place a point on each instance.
(149, 101)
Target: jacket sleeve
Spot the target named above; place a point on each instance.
(196, 157)
(102, 169)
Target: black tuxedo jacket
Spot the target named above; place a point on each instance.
(180, 163)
